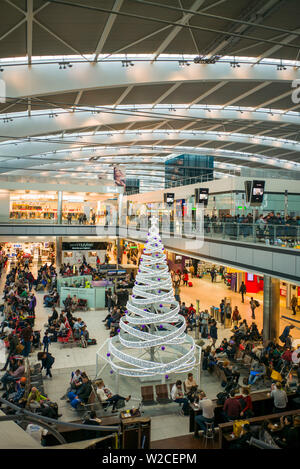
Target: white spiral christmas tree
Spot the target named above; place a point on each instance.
(152, 339)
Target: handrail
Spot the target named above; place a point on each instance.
(23, 412)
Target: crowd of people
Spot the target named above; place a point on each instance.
(269, 226)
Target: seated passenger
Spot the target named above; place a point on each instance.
(190, 384)
(258, 369)
(35, 399)
(13, 376)
(106, 396)
(81, 396)
(178, 396)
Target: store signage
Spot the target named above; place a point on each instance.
(82, 246)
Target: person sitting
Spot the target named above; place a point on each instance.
(53, 316)
(51, 299)
(258, 369)
(81, 396)
(242, 442)
(107, 398)
(178, 396)
(190, 385)
(231, 349)
(17, 397)
(221, 350)
(13, 376)
(67, 302)
(92, 419)
(230, 373)
(62, 330)
(35, 399)
(75, 382)
(115, 318)
(208, 413)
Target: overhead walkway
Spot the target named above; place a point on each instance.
(240, 247)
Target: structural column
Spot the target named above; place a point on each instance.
(59, 207)
(271, 313)
(58, 247)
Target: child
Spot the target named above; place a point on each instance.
(46, 342)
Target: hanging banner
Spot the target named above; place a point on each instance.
(119, 176)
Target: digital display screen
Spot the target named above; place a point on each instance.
(201, 195)
(250, 277)
(257, 194)
(169, 198)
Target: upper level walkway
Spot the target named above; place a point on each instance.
(274, 251)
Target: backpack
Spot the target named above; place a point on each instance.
(221, 398)
(257, 303)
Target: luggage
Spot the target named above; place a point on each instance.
(190, 284)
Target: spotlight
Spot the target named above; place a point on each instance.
(182, 63)
(127, 63)
(64, 65)
(281, 67)
(234, 65)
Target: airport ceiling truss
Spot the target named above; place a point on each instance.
(135, 82)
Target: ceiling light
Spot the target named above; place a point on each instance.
(127, 63)
(182, 63)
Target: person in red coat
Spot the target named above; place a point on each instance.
(185, 279)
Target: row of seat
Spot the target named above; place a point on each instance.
(163, 396)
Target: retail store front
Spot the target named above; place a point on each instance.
(76, 207)
(43, 251)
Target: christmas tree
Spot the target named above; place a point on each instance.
(151, 339)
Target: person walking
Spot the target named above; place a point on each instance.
(213, 274)
(47, 361)
(213, 332)
(177, 292)
(253, 305)
(243, 291)
(235, 316)
(285, 334)
(294, 304)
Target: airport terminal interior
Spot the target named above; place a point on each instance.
(150, 224)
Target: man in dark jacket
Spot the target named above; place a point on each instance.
(243, 290)
(47, 362)
(82, 394)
